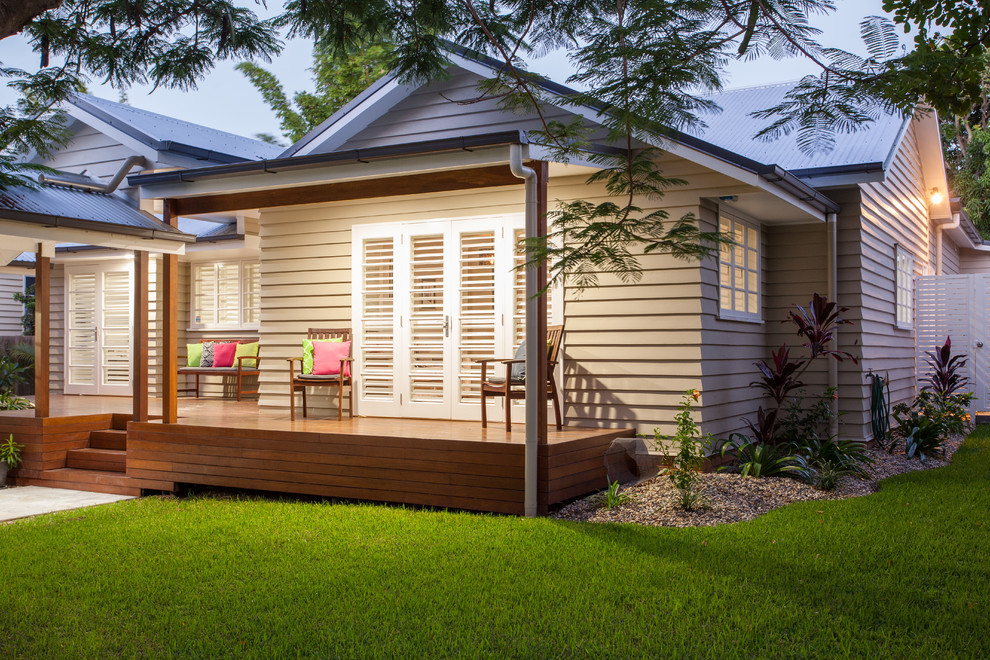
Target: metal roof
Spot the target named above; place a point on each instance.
(169, 134)
(735, 129)
(72, 207)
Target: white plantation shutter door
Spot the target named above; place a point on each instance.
(228, 294)
(427, 316)
(251, 293)
(81, 324)
(115, 344)
(376, 324)
(204, 294)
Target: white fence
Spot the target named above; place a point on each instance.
(956, 306)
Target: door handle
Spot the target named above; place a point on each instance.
(446, 326)
(979, 344)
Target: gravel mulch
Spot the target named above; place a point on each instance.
(731, 498)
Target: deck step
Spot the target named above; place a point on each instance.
(110, 439)
(93, 481)
(107, 460)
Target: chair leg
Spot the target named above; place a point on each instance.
(238, 384)
(292, 402)
(508, 411)
(340, 400)
(197, 386)
(305, 413)
(484, 410)
(350, 399)
(555, 395)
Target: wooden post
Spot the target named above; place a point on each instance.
(542, 172)
(170, 321)
(42, 332)
(140, 340)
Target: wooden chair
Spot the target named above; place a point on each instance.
(299, 382)
(515, 388)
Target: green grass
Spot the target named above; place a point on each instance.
(902, 573)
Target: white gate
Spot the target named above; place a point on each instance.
(956, 306)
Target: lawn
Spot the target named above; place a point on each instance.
(902, 573)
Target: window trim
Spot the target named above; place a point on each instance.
(241, 324)
(908, 287)
(728, 314)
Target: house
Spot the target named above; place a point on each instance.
(399, 217)
(107, 141)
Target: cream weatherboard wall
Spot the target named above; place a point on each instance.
(630, 349)
(11, 310)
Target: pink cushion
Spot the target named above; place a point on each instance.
(327, 356)
(223, 354)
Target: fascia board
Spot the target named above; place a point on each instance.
(42, 233)
(128, 141)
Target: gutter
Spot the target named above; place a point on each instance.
(81, 182)
(831, 170)
(802, 191)
(94, 225)
(275, 165)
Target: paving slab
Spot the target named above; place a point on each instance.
(25, 501)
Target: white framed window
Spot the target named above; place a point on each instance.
(225, 295)
(904, 288)
(739, 271)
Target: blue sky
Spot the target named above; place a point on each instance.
(225, 100)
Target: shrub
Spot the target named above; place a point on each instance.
(922, 436)
(760, 459)
(613, 497)
(11, 374)
(692, 448)
(942, 398)
(10, 452)
(10, 401)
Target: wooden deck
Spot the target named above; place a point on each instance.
(234, 444)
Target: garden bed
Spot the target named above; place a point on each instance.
(731, 498)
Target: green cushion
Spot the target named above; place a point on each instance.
(194, 353)
(247, 350)
(308, 352)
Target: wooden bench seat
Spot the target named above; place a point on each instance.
(238, 370)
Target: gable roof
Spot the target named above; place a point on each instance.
(168, 134)
(735, 129)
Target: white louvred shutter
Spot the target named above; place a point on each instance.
(426, 319)
(251, 293)
(476, 332)
(116, 334)
(377, 319)
(204, 294)
(81, 323)
(228, 294)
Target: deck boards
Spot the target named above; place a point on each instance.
(233, 444)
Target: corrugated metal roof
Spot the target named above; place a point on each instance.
(161, 132)
(735, 129)
(76, 204)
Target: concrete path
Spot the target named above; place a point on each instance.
(26, 501)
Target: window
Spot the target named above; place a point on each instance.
(905, 288)
(739, 271)
(226, 295)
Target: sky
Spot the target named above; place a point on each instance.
(225, 100)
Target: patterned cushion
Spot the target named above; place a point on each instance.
(207, 359)
(519, 368)
(308, 352)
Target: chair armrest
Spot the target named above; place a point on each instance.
(514, 361)
(241, 358)
(290, 360)
(487, 360)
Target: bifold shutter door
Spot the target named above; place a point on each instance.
(377, 319)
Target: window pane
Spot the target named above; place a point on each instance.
(751, 236)
(723, 275)
(751, 303)
(751, 285)
(740, 302)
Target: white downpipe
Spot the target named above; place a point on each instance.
(939, 228)
(533, 340)
(831, 256)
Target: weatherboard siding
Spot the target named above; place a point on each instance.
(11, 311)
(971, 261)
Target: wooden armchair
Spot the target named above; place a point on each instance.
(298, 382)
(515, 388)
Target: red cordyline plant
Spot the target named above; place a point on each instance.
(782, 375)
(945, 378)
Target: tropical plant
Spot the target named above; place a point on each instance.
(692, 447)
(10, 452)
(27, 318)
(942, 398)
(10, 401)
(760, 459)
(613, 496)
(922, 436)
(11, 374)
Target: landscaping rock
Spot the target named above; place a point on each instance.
(731, 498)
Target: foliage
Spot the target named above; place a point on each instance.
(942, 399)
(613, 497)
(339, 78)
(27, 319)
(692, 448)
(648, 64)
(753, 458)
(781, 377)
(10, 452)
(11, 374)
(922, 436)
(10, 401)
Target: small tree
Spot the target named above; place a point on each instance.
(27, 319)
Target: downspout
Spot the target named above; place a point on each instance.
(533, 340)
(939, 228)
(84, 183)
(831, 256)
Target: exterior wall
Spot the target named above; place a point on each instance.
(631, 349)
(971, 261)
(11, 310)
(893, 212)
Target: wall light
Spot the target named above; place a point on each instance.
(936, 196)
